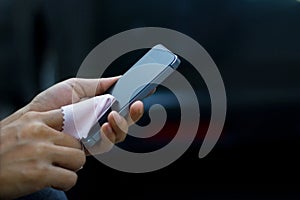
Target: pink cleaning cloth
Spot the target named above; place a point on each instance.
(80, 117)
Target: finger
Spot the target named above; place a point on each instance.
(91, 87)
(119, 125)
(53, 118)
(60, 178)
(67, 140)
(68, 158)
(106, 143)
(136, 112)
(105, 83)
(108, 132)
(42, 126)
(41, 131)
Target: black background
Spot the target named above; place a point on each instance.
(255, 45)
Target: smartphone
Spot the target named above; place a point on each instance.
(136, 84)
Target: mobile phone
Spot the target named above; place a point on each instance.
(136, 83)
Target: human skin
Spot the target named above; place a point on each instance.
(35, 153)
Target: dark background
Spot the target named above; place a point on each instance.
(254, 43)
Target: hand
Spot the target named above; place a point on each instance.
(33, 151)
(34, 154)
(74, 90)
(70, 91)
(116, 124)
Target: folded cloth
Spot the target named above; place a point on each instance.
(80, 117)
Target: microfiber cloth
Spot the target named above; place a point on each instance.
(80, 117)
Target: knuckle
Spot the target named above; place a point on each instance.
(28, 129)
(72, 81)
(36, 170)
(30, 115)
(41, 149)
(40, 170)
(32, 128)
(40, 128)
(77, 87)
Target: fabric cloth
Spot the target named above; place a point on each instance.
(80, 117)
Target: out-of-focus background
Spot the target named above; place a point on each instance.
(254, 43)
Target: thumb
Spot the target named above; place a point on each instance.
(85, 88)
(53, 118)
